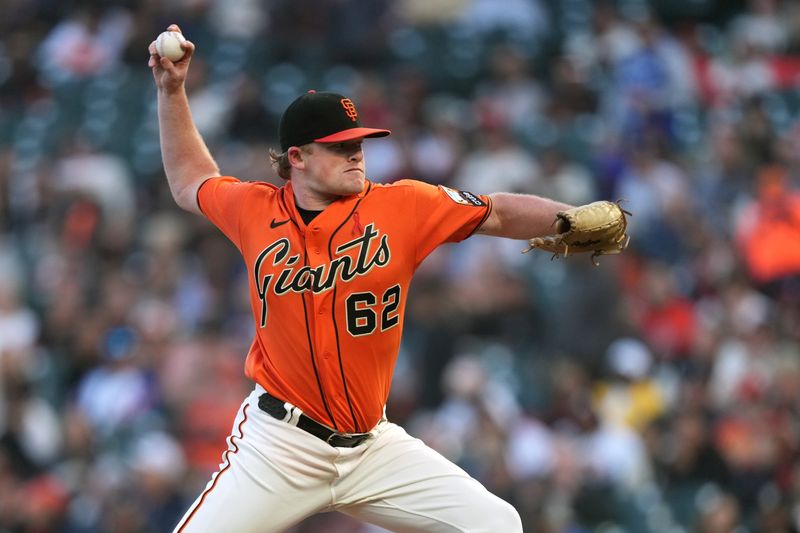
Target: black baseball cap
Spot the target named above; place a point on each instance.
(322, 117)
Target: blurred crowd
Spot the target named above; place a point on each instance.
(657, 392)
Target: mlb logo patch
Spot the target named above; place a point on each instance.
(462, 197)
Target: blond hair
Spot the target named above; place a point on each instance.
(280, 162)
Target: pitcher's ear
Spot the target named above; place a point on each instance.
(297, 157)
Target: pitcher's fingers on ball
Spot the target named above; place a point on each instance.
(188, 49)
(153, 57)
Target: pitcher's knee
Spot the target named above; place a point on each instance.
(499, 515)
(508, 518)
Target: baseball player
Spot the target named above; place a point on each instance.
(329, 255)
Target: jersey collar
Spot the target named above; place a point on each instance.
(343, 204)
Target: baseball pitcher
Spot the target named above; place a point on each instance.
(330, 256)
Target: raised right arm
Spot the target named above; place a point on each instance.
(187, 161)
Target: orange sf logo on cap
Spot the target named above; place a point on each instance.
(349, 108)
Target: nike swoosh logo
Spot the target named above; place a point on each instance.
(275, 224)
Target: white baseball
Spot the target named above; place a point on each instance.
(168, 44)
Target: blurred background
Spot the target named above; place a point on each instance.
(659, 392)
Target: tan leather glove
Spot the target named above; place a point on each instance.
(598, 227)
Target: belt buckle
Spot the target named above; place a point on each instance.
(352, 440)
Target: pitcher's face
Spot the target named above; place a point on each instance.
(335, 169)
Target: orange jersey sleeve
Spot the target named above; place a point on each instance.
(443, 214)
(225, 202)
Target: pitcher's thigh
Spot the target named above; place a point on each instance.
(250, 492)
(403, 485)
(454, 508)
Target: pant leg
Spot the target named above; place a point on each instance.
(403, 485)
(272, 476)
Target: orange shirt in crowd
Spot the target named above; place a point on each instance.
(768, 231)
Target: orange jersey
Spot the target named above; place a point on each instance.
(328, 299)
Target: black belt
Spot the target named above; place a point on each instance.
(275, 408)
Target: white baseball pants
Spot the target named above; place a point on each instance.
(274, 475)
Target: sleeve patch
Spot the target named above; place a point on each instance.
(463, 197)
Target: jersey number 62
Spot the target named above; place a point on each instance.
(362, 318)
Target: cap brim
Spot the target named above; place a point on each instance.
(352, 133)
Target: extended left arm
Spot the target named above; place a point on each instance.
(521, 216)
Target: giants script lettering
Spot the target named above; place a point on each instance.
(321, 278)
